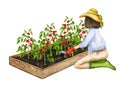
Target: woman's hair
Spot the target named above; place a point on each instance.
(90, 23)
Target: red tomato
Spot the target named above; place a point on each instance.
(25, 45)
(49, 35)
(83, 24)
(68, 28)
(43, 40)
(43, 47)
(64, 32)
(64, 25)
(28, 33)
(27, 41)
(80, 36)
(31, 39)
(60, 36)
(54, 32)
(30, 44)
(50, 27)
(68, 21)
(83, 32)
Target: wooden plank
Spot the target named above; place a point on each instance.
(36, 71)
(43, 73)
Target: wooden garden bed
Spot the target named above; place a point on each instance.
(45, 72)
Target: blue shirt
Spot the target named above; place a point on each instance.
(94, 40)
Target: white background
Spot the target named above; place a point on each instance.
(17, 15)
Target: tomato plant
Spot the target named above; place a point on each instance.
(72, 33)
(26, 43)
(50, 42)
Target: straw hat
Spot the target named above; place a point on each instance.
(93, 13)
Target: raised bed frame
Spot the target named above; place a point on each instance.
(43, 73)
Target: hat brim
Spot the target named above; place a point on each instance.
(94, 17)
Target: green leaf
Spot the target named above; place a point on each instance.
(73, 22)
(74, 27)
(77, 26)
(25, 31)
(41, 56)
(81, 21)
(44, 34)
(21, 40)
(65, 19)
(52, 60)
(35, 56)
(55, 36)
(50, 31)
(40, 35)
(30, 30)
(83, 28)
(68, 24)
(47, 25)
(39, 41)
(18, 40)
(45, 28)
(19, 49)
(52, 24)
(33, 40)
(24, 40)
(27, 36)
(71, 28)
(71, 19)
(62, 28)
(24, 49)
(23, 34)
(36, 47)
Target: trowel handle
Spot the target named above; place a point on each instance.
(70, 50)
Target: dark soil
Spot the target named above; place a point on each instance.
(40, 63)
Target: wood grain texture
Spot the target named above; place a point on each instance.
(43, 73)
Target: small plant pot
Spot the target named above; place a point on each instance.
(45, 72)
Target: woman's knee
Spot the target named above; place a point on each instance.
(77, 66)
(82, 66)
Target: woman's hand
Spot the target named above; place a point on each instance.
(78, 46)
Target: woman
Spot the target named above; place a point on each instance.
(97, 52)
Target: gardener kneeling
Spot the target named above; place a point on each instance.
(97, 52)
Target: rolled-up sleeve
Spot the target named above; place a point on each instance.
(88, 38)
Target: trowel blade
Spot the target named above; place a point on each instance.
(62, 52)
